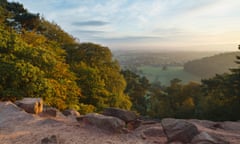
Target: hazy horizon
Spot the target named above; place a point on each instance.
(204, 25)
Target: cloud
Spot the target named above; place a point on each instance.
(133, 39)
(91, 23)
(168, 31)
(88, 31)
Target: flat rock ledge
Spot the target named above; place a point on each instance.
(20, 126)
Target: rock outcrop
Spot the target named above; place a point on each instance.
(18, 126)
(179, 130)
(124, 115)
(153, 132)
(31, 105)
(50, 140)
(233, 126)
(109, 123)
(51, 112)
(206, 138)
(9, 112)
(70, 112)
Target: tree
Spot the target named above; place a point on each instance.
(93, 64)
(222, 96)
(27, 20)
(54, 32)
(177, 100)
(94, 92)
(137, 88)
(35, 70)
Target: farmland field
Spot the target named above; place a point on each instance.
(155, 74)
(161, 66)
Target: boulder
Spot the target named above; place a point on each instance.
(134, 124)
(70, 112)
(205, 138)
(109, 123)
(31, 105)
(179, 130)
(50, 140)
(207, 124)
(232, 126)
(124, 115)
(51, 112)
(155, 131)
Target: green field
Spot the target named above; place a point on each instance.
(165, 76)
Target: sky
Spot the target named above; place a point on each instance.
(201, 25)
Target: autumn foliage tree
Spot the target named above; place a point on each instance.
(98, 76)
(32, 68)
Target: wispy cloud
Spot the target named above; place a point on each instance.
(131, 38)
(88, 31)
(90, 23)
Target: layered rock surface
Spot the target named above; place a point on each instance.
(20, 127)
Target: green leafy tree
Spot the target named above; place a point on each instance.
(177, 100)
(93, 86)
(137, 88)
(159, 104)
(53, 32)
(104, 71)
(222, 96)
(28, 70)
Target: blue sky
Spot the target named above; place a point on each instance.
(147, 24)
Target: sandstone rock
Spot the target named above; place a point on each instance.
(156, 131)
(70, 112)
(80, 118)
(233, 126)
(9, 107)
(109, 123)
(50, 140)
(179, 130)
(124, 115)
(9, 112)
(52, 112)
(205, 138)
(10, 117)
(31, 105)
(49, 122)
(134, 124)
(207, 124)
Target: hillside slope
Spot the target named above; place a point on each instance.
(209, 66)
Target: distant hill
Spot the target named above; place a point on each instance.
(210, 66)
(156, 58)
